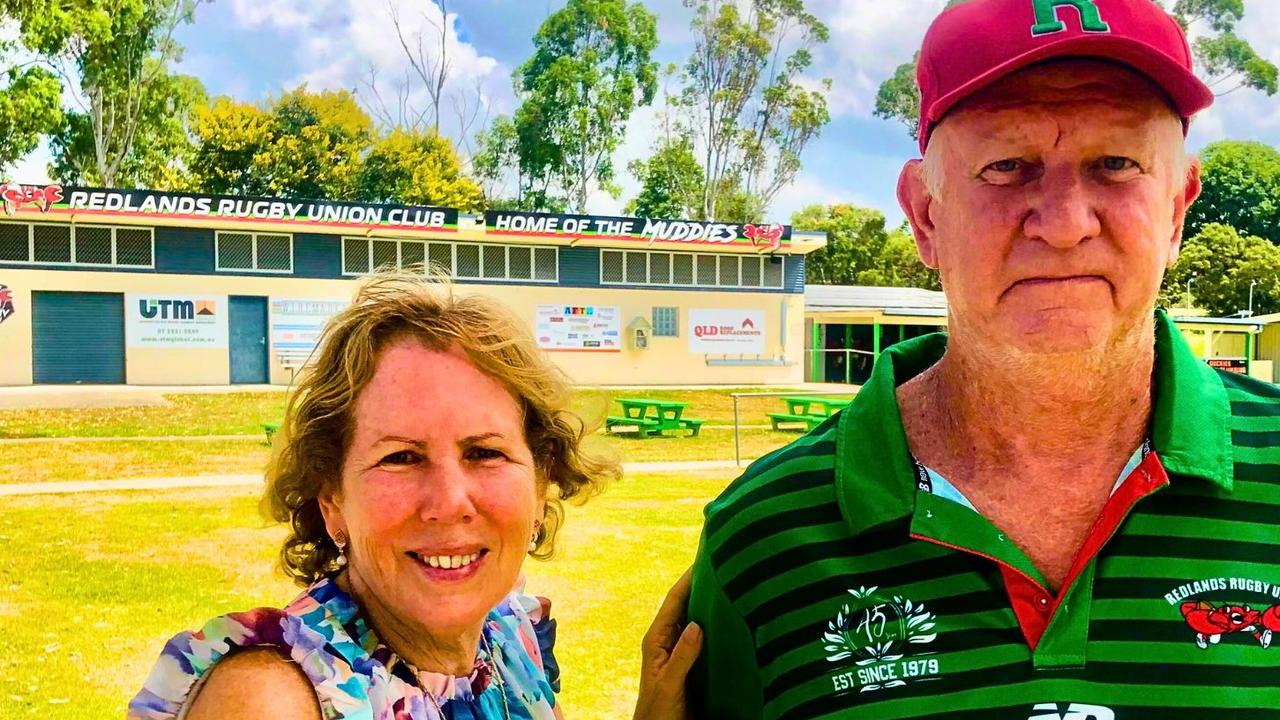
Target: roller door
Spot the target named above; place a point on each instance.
(78, 337)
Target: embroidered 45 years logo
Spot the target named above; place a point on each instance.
(875, 632)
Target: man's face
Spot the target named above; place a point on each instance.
(1052, 203)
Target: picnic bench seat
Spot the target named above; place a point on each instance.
(809, 421)
(692, 424)
(613, 422)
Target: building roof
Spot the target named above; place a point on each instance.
(891, 300)
(930, 303)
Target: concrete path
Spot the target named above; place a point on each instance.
(22, 397)
(214, 481)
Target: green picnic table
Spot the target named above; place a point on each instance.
(807, 410)
(646, 417)
(271, 428)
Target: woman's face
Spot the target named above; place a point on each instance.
(439, 493)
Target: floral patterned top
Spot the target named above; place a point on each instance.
(356, 677)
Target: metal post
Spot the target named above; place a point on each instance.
(848, 345)
(1251, 284)
(1248, 353)
(875, 338)
(902, 333)
(815, 361)
(737, 443)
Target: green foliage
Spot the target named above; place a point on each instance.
(117, 52)
(744, 98)
(590, 68)
(671, 182)
(30, 106)
(1241, 189)
(860, 251)
(1221, 263)
(302, 145)
(899, 98)
(156, 156)
(417, 167)
(1226, 61)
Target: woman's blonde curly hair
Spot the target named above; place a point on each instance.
(319, 422)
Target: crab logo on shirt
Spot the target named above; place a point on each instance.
(1211, 622)
(1228, 613)
(875, 631)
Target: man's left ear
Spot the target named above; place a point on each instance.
(1182, 203)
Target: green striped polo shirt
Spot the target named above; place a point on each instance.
(831, 584)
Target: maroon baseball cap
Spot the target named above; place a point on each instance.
(979, 42)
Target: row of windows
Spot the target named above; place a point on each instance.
(36, 243)
(92, 245)
(472, 261)
(634, 267)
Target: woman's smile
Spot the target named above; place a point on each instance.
(449, 567)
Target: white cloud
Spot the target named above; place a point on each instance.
(281, 14)
(339, 42)
(869, 39)
(32, 169)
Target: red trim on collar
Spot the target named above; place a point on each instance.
(1034, 605)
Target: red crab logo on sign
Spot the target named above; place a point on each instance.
(17, 196)
(769, 234)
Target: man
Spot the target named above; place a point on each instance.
(1056, 511)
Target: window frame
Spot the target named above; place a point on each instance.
(741, 259)
(675, 321)
(453, 246)
(72, 229)
(217, 265)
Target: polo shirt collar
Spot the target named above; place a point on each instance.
(875, 478)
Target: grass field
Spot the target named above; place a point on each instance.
(94, 584)
(243, 413)
(69, 460)
(219, 434)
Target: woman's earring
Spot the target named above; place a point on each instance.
(533, 540)
(340, 539)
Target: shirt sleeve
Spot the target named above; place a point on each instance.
(725, 682)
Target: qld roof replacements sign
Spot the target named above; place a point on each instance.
(715, 332)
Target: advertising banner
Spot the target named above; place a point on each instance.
(296, 324)
(771, 237)
(1232, 365)
(175, 321)
(583, 328)
(726, 332)
(86, 202)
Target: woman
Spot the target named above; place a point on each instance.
(425, 453)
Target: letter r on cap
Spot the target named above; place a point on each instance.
(1047, 22)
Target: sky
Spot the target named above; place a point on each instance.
(256, 49)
